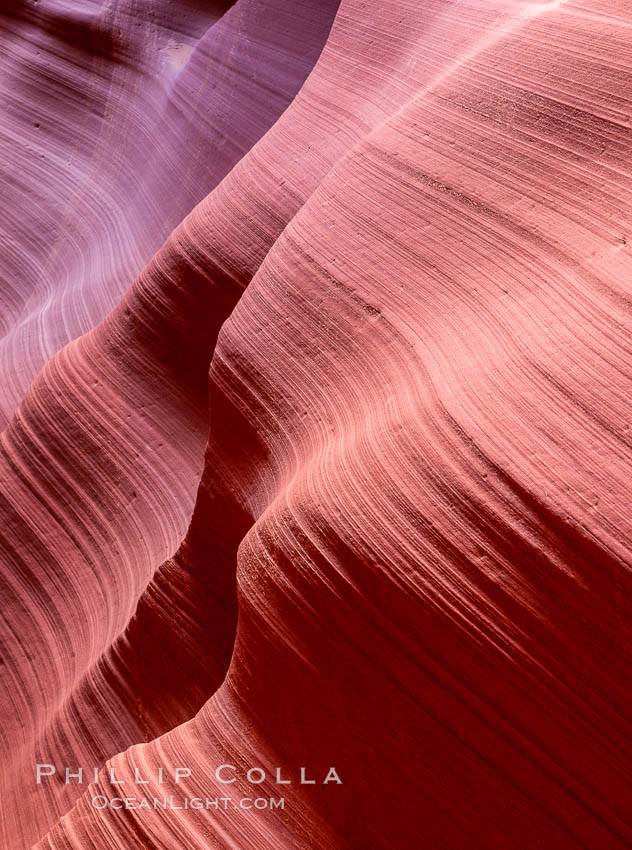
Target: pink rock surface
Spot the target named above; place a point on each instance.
(117, 119)
(400, 324)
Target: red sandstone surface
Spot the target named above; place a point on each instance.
(315, 381)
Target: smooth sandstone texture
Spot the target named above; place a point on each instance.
(100, 464)
(118, 117)
(401, 322)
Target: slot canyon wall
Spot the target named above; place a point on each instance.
(314, 397)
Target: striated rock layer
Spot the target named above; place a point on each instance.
(118, 118)
(401, 325)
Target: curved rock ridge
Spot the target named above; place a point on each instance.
(119, 118)
(401, 325)
(100, 463)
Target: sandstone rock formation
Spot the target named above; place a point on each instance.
(389, 347)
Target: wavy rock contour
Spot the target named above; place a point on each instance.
(400, 323)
